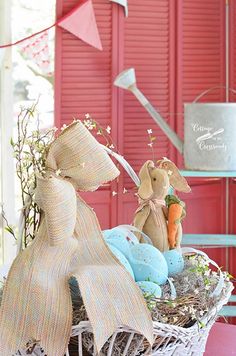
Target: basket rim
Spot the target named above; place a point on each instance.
(84, 325)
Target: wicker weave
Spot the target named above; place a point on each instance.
(169, 340)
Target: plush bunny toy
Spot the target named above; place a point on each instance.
(151, 216)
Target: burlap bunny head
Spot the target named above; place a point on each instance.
(79, 158)
(156, 181)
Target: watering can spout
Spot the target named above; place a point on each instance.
(127, 80)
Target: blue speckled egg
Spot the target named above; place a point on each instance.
(148, 264)
(123, 260)
(119, 238)
(174, 261)
(150, 288)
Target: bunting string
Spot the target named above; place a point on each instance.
(28, 37)
(80, 21)
(37, 49)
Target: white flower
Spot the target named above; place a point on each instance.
(63, 127)
(150, 144)
(166, 159)
(99, 133)
(169, 173)
(207, 273)
(87, 116)
(201, 312)
(111, 146)
(207, 287)
(125, 191)
(108, 130)
(149, 131)
(89, 124)
(114, 193)
(58, 172)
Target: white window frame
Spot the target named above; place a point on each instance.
(7, 191)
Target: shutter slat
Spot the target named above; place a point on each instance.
(86, 75)
(146, 48)
(201, 51)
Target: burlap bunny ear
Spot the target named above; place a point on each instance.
(177, 181)
(145, 190)
(77, 155)
(57, 199)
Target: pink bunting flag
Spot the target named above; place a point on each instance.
(82, 23)
(37, 49)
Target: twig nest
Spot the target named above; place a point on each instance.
(175, 262)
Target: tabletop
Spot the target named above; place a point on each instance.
(221, 340)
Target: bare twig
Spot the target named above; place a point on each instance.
(30, 151)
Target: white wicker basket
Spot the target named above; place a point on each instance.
(169, 339)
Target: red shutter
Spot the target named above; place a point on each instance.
(84, 72)
(148, 37)
(232, 84)
(83, 85)
(200, 66)
(84, 78)
(232, 47)
(149, 47)
(205, 207)
(201, 51)
(205, 203)
(177, 49)
(232, 230)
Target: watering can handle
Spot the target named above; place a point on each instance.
(211, 89)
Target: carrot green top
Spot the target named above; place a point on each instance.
(173, 199)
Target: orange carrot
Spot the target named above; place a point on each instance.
(175, 213)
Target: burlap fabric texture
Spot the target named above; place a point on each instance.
(36, 302)
(151, 215)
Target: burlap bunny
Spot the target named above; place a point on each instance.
(151, 215)
(36, 301)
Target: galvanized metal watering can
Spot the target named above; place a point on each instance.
(209, 129)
